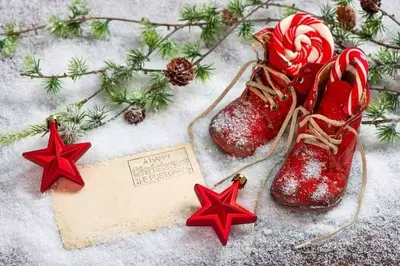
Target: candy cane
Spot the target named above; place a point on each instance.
(300, 39)
(354, 60)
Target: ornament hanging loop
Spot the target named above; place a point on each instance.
(50, 120)
(241, 178)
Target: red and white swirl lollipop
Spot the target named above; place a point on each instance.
(297, 40)
(353, 60)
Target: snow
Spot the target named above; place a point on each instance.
(290, 186)
(320, 192)
(238, 122)
(28, 231)
(312, 169)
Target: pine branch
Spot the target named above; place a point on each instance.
(384, 89)
(92, 72)
(379, 122)
(392, 17)
(177, 28)
(230, 31)
(355, 32)
(380, 43)
(35, 29)
(388, 133)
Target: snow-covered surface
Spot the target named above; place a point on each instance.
(28, 231)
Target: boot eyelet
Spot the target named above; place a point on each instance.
(284, 98)
(274, 108)
(300, 80)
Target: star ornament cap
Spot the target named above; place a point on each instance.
(58, 160)
(220, 210)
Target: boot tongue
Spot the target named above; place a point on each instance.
(332, 105)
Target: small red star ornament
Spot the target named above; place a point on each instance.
(58, 160)
(220, 210)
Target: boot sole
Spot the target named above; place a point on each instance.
(230, 150)
(308, 209)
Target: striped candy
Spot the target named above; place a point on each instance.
(354, 60)
(300, 39)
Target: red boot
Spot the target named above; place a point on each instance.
(278, 84)
(316, 171)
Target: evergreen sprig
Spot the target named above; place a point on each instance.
(158, 99)
(159, 95)
(387, 63)
(31, 65)
(62, 28)
(254, 2)
(203, 72)
(151, 37)
(392, 100)
(237, 7)
(73, 120)
(388, 133)
(70, 132)
(9, 43)
(396, 39)
(246, 30)
(79, 8)
(135, 58)
(328, 14)
(191, 50)
(52, 85)
(6, 139)
(72, 26)
(168, 49)
(192, 13)
(115, 75)
(73, 114)
(119, 96)
(207, 13)
(377, 109)
(376, 112)
(77, 67)
(372, 26)
(289, 11)
(100, 29)
(96, 116)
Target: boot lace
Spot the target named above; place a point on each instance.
(315, 136)
(266, 93)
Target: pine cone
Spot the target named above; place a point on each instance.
(229, 18)
(371, 6)
(346, 16)
(135, 115)
(180, 71)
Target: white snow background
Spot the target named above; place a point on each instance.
(28, 232)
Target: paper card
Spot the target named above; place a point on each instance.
(131, 194)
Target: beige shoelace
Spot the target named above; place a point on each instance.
(264, 92)
(319, 138)
(316, 136)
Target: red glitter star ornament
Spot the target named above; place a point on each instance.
(58, 160)
(220, 210)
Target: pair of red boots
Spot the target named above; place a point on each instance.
(300, 76)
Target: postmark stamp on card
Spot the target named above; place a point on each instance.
(136, 193)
